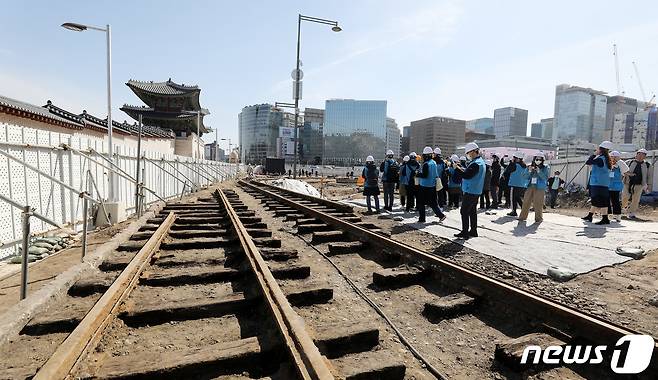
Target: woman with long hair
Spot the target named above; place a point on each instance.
(599, 181)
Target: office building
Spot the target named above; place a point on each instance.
(546, 128)
(471, 135)
(311, 139)
(213, 152)
(392, 136)
(354, 129)
(510, 121)
(580, 114)
(481, 125)
(404, 141)
(536, 130)
(637, 130)
(258, 128)
(443, 132)
(617, 105)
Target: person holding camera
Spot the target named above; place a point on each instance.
(536, 177)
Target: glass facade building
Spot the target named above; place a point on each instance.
(354, 129)
(481, 125)
(510, 121)
(580, 114)
(311, 137)
(258, 128)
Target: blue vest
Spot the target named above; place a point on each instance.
(387, 165)
(616, 183)
(474, 185)
(440, 168)
(600, 175)
(541, 179)
(371, 175)
(430, 180)
(451, 182)
(518, 176)
(404, 174)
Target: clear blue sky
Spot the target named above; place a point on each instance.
(453, 58)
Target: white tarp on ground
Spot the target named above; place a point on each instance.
(296, 186)
(560, 241)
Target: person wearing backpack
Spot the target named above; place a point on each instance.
(370, 174)
(390, 176)
(635, 182)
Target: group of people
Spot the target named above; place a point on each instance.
(466, 181)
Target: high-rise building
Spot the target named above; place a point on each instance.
(617, 104)
(354, 129)
(580, 114)
(437, 131)
(639, 129)
(258, 128)
(311, 140)
(481, 125)
(536, 130)
(546, 128)
(404, 141)
(510, 121)
(213, 152)
(392, 136)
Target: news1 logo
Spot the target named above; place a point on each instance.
(631, 354)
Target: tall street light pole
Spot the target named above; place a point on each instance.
(297, 74)
(80, 28)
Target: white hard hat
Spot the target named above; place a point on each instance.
(427, 150)
(540, 154)
(614, 153)
(454, 158)
(412, 154)
(606, 145)
(370, 159)
(389, 152)
(462, 158)
(642, 151)
(437, 150)
(405, 158)
(517, 154)
(470, 146)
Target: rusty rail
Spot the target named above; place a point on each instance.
(89, 330)
(309, 363)
(562, 317)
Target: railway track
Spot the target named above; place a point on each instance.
(450, 296)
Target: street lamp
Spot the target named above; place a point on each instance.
(297, 73)
(80, 28)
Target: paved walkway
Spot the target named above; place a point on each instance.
(560, 241)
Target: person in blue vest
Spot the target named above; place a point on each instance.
(441, 195)
(370, 174)
(536, 177)
(412, 186)
(619, 169)
(515, 172)
(599, 182)
(390, 176)
(454, 182)
(472, 185)
(427, 186)
(404, 180)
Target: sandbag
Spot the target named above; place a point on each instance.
(633, 252)
(560, 274)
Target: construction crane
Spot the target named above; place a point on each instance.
(620, 91)
(639, 81)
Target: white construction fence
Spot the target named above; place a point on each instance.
(48, 171)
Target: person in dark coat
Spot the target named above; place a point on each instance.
(441, 195)
(486, 187)
(515, 174)
(495, 181)
(412, 188)
(370, 174)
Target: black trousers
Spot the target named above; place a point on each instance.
(494, 196)
(469, 212)
(427, 196)
(453, 198)
(441, 197)
(412, 194)
(517, 197)
(615, 202)
(485, 196)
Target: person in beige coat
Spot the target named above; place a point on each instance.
(636, 181)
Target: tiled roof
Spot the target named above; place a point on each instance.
(163, 88)
(37, 111)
